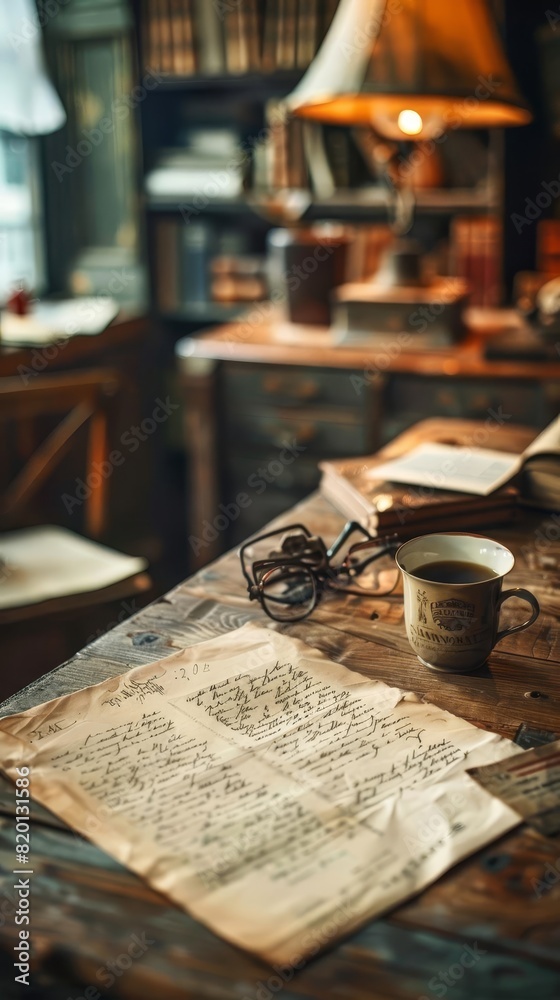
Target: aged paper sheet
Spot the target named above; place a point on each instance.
(530, 784)
(279, 797)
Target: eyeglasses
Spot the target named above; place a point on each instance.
(289, 570)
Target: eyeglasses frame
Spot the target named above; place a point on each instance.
(318, 566)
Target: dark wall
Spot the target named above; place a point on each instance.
(532, 153)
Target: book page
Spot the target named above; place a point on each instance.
(279, 797)
(446, 467)
(546, 443)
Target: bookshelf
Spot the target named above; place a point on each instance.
(206, 97)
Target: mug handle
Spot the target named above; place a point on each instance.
(525, 595)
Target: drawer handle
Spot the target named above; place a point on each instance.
(283, 434)
(308, 389)
(304, 389)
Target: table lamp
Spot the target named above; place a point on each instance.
(410, 70)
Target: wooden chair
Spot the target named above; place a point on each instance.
(47, 418)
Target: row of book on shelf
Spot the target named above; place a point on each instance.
(200, 260)
(188, 37)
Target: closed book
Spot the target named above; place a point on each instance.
(253, 34)
(196, 251)
(353, 488)
(209, 38)
(288, 37)
(188, 55)
(178, 37)
(166, 264)
(237, 55)
(150, 36)
(165, 36)
(306, 32)
(270, 35)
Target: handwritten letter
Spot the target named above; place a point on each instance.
(269, 791)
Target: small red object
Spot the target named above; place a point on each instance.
(18, 302)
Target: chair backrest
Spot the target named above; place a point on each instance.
(82, 399)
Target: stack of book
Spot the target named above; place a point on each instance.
(548, 247)
(476, 256)
(483, 486)
(238, 278)
(210, 166)
(200, 262)
(353, 487)
(188, 37)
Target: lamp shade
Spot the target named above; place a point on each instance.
(411, 69)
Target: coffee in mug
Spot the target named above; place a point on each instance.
(452, 587)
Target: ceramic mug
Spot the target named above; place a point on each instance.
(453, 626)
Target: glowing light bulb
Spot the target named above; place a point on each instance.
(410, 122)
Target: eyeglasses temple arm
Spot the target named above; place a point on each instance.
(347, 530)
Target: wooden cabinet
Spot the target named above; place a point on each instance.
(262, 410)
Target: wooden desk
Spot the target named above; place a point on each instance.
(85, 906)
(251, 386)
(126, 332)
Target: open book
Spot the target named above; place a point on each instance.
(481, 471)
(358, 489)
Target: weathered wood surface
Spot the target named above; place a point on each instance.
(504, 903)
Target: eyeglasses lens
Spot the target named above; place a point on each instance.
(371, 573)
(288, 592)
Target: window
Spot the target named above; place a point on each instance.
(21, 236)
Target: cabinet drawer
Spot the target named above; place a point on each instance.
(290, 386)
(316, 432)
(412, 398)
(257, 474)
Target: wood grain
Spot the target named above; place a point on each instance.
(504, 900)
